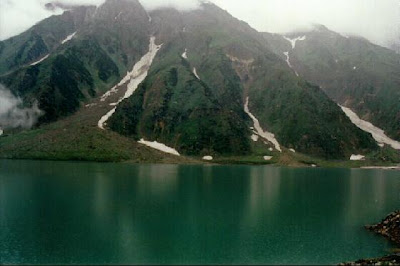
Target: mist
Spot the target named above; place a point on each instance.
(13, 114)
(375, 20)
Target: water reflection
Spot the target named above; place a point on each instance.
(170, 214)
(263, 193)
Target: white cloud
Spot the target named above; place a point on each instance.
(180, 5)
(13, 114)
(376, 20)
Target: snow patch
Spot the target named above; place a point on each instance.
(159, 146)
(119, 14)
(254, 137)
(184, 55)
(382, 167)
(354, 68)
(69, 37)
(148, 16)
(102, 122)
(135, 77)
(293, 41)
(40, 60)
(268, 158)
(208, 158)
(264, 134)
(288, 62)
(195, 73)
(243, 61)
(377, 133)
(357, 157)
(108, 93)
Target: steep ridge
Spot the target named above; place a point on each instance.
(42, 39)
(234, 63)
(88, 61)
(352, 71)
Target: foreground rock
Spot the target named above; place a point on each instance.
(388, 260)
(390, 228)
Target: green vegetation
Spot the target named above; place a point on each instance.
(352, 71)
(197, 116)
(69, 141)
(185, 112)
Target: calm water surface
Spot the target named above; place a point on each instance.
(91, 213)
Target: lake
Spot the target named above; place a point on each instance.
(94, 213)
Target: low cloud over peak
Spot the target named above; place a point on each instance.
(377, 21)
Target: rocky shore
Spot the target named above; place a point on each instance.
(388, 260)
(389, 228)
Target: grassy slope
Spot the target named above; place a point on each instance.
(173, 95)
(78, 138)
(176, 108)
(328, 59)
(300, 114)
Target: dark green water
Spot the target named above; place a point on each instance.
(89, 213)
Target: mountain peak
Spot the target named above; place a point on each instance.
(319, 27)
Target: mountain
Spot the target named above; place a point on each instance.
(352, 71)
(396, 47)
(205, 114)
(200, 83)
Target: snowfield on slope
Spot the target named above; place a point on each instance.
(195, 73)
(293, 41)
(159, 146)
(69, 37)
(135, 77)
(40, 60)
(377, 133)
(184, 55)
(355, 157)
(288, 62)
(264, 134)
(208, 158)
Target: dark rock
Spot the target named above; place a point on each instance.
(388, 260)
(389, 227)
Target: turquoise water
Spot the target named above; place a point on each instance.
(92, 213)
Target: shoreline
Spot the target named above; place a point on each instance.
(220, 162)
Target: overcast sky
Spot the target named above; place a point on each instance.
(376, 20)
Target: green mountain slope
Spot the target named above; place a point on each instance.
(104, 48)
(206, 116)
(352, 71)
(193, 98)
(41, 39)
